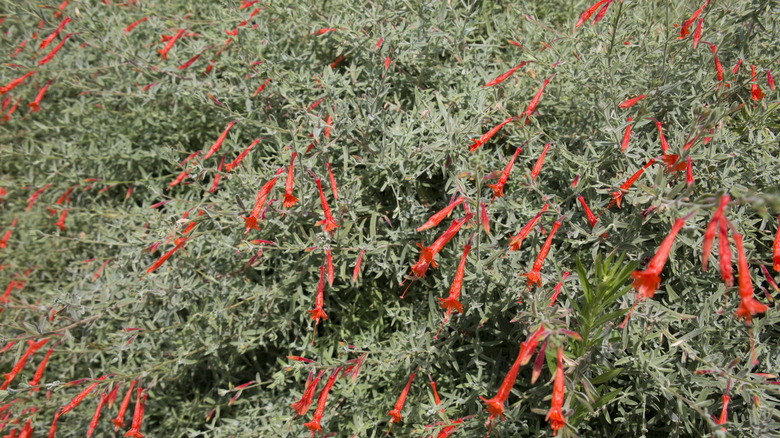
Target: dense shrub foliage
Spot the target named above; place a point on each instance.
(384, 99)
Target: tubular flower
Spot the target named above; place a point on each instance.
(77, 399)
(647, 281)
(503, 76)
(289, 200)
(96, 415)
(724, 254)
(688, 171)
(178, 243)
(554, 414)
(486, 136)
(498, 188)
(601, 13)
(538, 166)
(314, 424)
(536, 371)
(330, 267)
(32, 347)
(328, 224)
(428, 253)
(164, 51)
(534, 277)
(35, 105)
(724, 411)
(356, 270)
(39, 372)
(626, 136)
(332, 182)
(516, 240)
(11, 85)
(697, 33)
(617, 196)
(138, 416)
(318, 313)
(589, 214)
(495, 405)
(754, 90)
(590, 11)
(119, 421)
(232, 165)
(628, 103)
(535, 100)
(46, 41)
(451, 302)
(483, 217)
(557, 288)
(251, 220)
(709, 233)
(54, 51)
(302, 405)
(438, 217)
(395, 413)
(528, 347)
(685, 28)
(748, 306)
(215, 147)
(776, 248)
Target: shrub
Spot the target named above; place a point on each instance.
(386, 97)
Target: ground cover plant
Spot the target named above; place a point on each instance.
(441, 218)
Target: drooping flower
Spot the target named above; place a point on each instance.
(646, 282)
(709, 233)
(495, 405)
(776, 248)
(314, 424)
(119, 421)
(554, 414)
(395, 413)
(328, 224)
(534, 277)
(748, 306)
(302, 405)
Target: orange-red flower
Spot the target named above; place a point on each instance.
(590, 11)
(289, 200)
(628, 103)
(439, 216)
(748, 306)
(451, 302)
(486, 136)
(318, 313)
(517, 240)
(427, 254)
(554, 414)
(709, 233)
(119, 421)
(328, 224)
(776, 248)
(647, 281)
(395, 413)
(498, 188)
(302, 405)
(535, 277)
(502, 77)
(495, 405)
(314, 424)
